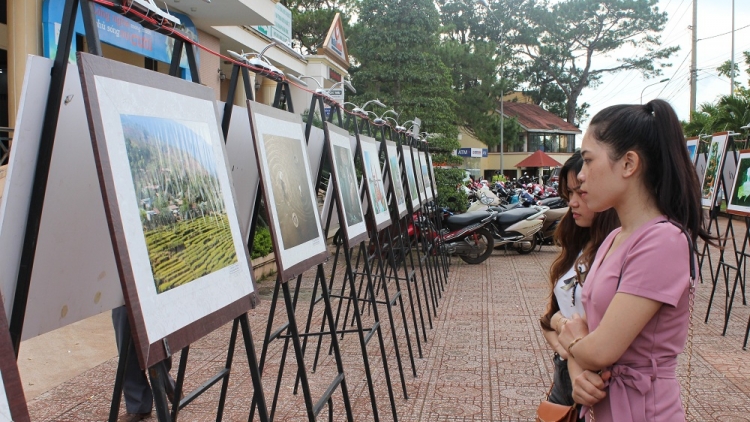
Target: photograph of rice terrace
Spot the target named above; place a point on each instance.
(180, 199)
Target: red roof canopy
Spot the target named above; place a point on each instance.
(538, 159)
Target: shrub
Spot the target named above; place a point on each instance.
(448, 195)
(262, 245)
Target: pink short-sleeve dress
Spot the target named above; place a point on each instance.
(655, 264)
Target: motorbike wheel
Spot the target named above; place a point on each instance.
(489, 242)
(524, 250)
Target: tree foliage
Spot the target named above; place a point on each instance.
(729, 113)
(447, 181)
(562, 40)
(396, 46)
(311, 20)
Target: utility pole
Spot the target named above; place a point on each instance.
(694, 60)
(731, 69)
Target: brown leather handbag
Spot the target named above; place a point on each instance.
(553, 412)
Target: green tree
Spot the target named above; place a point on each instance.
(311, 20)
(395, 44)
(564, 39)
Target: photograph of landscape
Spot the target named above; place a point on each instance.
(179, 198)
(294, 205)
(741, 190)
(396, 180)
(375, 180)
(710, 180)
(410, 177)
(347, 180)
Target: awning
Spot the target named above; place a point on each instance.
(538, 159)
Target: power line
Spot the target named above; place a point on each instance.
(675, 73)
(725, 33)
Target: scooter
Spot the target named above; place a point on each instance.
(465, 235)
(518, 227)
(557, 209)
(484, 198)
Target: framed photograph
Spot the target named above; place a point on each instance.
(418, 175)
(351, 217)
(411, 181)
(12, 400)
(426, 175)
(692, 147)
(168, 197)
(291, 204)
(714, 162)
(432, 173)
(395, 172)
(374, 181)
(739, 201)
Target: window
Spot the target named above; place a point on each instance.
(551, 142)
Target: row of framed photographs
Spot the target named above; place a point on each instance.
(171, 205)
(721, 166)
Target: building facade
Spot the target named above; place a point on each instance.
(244, 26)
(541, 130)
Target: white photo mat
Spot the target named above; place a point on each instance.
(398, 187)
(716, 154)
(374, 179)
(739, 200)
(432, 173)
(165, 313)
(411, 181)
(425, 174)
(265, 126)
(347, 182)
(692, 147)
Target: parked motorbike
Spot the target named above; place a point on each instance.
(482, 199)
(557, 209)
(518, 227)
(465, 235)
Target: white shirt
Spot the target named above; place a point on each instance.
(564, 293)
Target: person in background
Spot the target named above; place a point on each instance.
(579, 235)
(139, 398)
(637, 292)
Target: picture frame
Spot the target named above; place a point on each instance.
(714, 165)
(418, 175)
(411, 181)
(395, 173)
(427, 180)
(373, 174)
(168, 196)
(344, 177)
(739, 200)
(286, 178)
(12, 399)
(692, 147)
(432, 173)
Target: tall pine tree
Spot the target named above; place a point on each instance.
(395, 44)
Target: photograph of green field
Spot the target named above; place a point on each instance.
(179, 198)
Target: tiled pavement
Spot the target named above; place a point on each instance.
(485, 358)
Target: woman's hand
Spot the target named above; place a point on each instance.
(573, 329)
(588, 387)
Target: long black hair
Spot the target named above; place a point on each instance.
(575, 240)
(654, 132)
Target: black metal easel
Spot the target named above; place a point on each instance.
(158, 372)
(289, 330)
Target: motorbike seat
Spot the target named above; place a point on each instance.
(455, 222)
(506, 207)
(553, 203)
(515, 215)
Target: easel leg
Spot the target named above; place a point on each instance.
(158, 376)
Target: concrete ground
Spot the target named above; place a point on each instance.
(484, 359)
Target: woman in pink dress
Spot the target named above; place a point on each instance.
(636, 295)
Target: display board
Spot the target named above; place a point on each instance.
(75, 274)
(716, 154)
(426, 179)
(12, 401)
(411, 181)
(395, 173)
(432, 173)
(739, 202)
(168, 196)
(291, 203)
(692, 147)
(373, 174)
(344, 177)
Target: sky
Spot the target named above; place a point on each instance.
(714, 18)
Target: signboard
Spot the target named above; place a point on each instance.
(472, 152)
(334, 45)
(338, 95)
(281, 28)
(116, 30)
